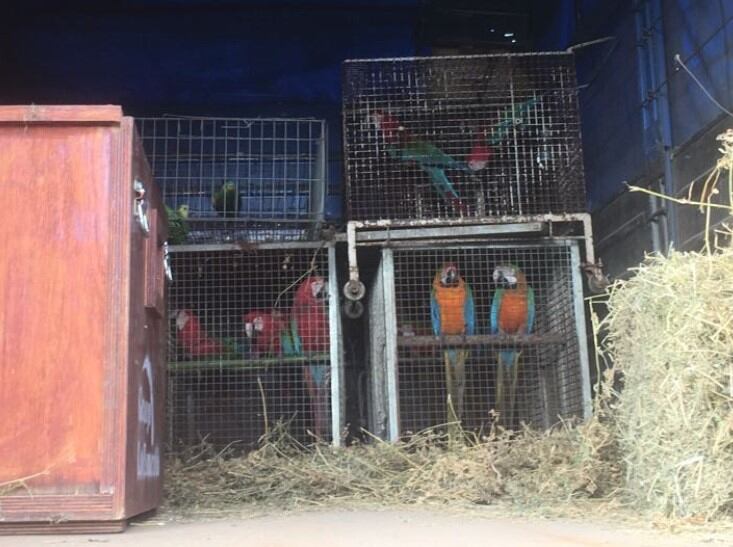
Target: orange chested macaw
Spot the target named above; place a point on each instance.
(452, 312)
(512, 312)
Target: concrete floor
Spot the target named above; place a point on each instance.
(387, 528)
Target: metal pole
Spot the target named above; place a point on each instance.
(390, 312)
(579, 303)
(334, 320)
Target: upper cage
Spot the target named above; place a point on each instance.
(462, 136)
(239, 179)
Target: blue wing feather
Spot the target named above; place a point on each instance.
(469, 312)
(440, 181)
(530, 310)
(435, 313)
(495, 307)
(297, 344)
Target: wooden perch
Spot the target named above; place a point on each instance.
(251, 364)
(480, 340)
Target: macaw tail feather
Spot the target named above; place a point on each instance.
(441, 182)
(507, 373)
(317, 381)
(455, 383)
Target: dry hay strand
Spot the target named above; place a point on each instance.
(430, 467)
(670, 336)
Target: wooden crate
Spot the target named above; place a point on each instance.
(82, 305)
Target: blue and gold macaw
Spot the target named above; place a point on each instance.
(512, 312)
(452, 312)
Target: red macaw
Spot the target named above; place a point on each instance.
(483, 143)
(453, 312)
(404, 146)
(480, 154)
(264, 328)
(310, 334)
(512, 312)
(193, 338)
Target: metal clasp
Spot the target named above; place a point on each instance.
(167, 262)
(140, 207)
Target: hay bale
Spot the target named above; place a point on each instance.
(670, 335)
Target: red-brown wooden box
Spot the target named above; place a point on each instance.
(82, 324)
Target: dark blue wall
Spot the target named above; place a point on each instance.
(270, 58)
(282, 58)
(621, 107)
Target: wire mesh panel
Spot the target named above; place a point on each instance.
(239, 179)
(454, 361)
(250, 344)
(452, 137)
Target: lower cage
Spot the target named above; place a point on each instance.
(254, 341)
(410, 367)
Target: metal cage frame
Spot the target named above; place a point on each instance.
(279, 167)
(523, 106)
(384, 342)
(335, 353)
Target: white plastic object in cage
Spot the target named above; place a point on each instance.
(406, 360)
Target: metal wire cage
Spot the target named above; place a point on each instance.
(408, 362)
(463, 136)
(240, 179)
(254, 340)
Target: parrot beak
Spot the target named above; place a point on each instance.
(450, 276)
(505, 275)
(319, 291)
(323, 294)
(181, 319)
(248, 329)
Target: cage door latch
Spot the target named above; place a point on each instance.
(140, 207)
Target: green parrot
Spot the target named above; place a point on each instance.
(226, 199)
(178, 227)
(509, 118)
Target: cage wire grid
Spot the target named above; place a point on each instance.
(237, 365)
(275, 168)
(462, 136)
(550, 377)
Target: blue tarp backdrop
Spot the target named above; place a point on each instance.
(282, 58)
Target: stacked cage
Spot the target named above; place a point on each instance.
(470, 163)
(253, 305)
(239, 179)
(462, 137)
(484, 376)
